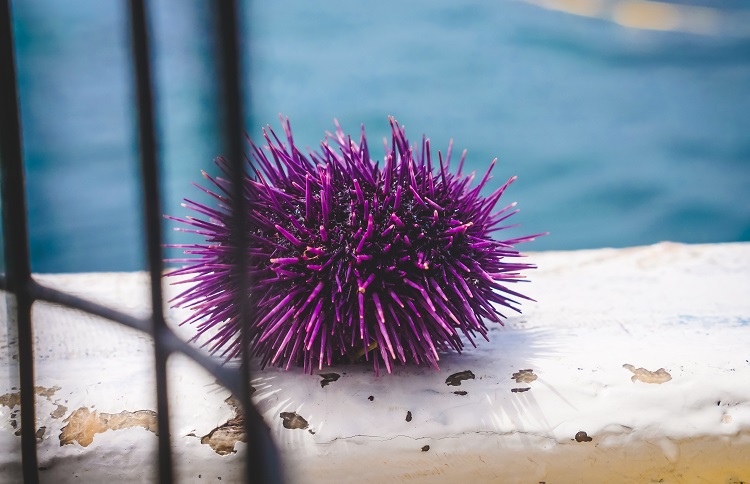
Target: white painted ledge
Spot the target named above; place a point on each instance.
(683, 308)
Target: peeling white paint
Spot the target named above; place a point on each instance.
(667, 309)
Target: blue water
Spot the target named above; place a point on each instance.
(619, 136)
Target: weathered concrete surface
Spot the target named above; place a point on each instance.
(632, 367)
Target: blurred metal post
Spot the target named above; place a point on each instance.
(262, 461)
(153, 219)
(16, 237)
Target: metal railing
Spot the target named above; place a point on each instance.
(262, 460)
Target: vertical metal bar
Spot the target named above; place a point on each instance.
(16, 236)
(153, 220)
(262, 464)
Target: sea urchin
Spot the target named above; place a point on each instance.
(350, 259)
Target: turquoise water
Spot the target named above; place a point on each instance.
(619, 136)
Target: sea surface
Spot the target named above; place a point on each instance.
(620, 135)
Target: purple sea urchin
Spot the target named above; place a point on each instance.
(351, 259)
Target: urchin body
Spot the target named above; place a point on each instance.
(353, 258)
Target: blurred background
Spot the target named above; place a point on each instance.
(626, 121)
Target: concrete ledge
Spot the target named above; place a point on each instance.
(632, 367)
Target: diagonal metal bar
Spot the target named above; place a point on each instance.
(153, 217)
(15, 233)
(229, 377)
(48, 294)
(262, 461)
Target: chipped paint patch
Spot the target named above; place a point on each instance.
(59, 411)
(83, 424)
(328, 378)
(293, 421)
(12, 400)
(46, 392)
(524, 376)
(456, 378)
(641, 374)
(223, 438)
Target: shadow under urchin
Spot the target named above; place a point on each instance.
(348, 259)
